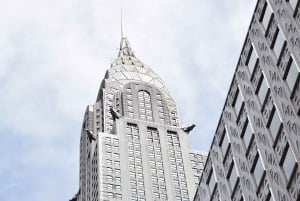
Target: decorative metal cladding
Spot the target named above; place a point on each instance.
(256, 76)
(219, 171)
(264, 190)
(284, 60)
(281, 144)
(238, 152)
(296, 98)
(294, 188)
(238, 193)
(261, 114)
(272, 31)
(252, 153)
(127, 69)
(268, 107)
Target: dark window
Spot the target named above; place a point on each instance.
(291, 74)
(288, 162)
(212, 181)
(247, 134)
(269, 196)
(265, 19)
(252, 60)
(278, 43)
(232, 176)
(224, 142)
(274, 123)
(262, 90)
(238, 102)
(293, 3)
(257, 170)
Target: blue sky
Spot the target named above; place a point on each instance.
(53, 56)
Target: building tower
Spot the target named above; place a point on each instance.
(132, 144)
(256, 147)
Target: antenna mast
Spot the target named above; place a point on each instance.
(122, 26)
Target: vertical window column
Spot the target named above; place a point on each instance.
(109, 120)
(156, 165)
(160, 108)
(112, 175)
(129, 102)
(135, 167)
(177, 168)
(145, 107)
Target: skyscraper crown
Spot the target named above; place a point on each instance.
(125, 49)
(126, 69)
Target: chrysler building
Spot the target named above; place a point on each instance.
(133, 146)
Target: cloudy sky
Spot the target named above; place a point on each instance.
(53, 56)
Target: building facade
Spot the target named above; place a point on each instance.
(256, 147)
(132, 144)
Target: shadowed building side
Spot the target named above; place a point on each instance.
(256, 147)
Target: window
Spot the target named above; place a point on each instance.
(211, 182)
(109, 186)
(128, 90)
(116, 142)
(274, 123)
(108, 154)
(130, 102)
(108, 162)
(118, 179)
(110, 194)
(109, 177)
(258, 170)
(238, 102)
(247, 134)
(196, 178)
(224, 143)
(117, 156)
(278, 43)
(293, 3)
(109, 170)
(117, 164)
(118, 196)
(288, 162)
(130, 108)
(265, 19)
(262, 90)
(252, 60)
(232, 176)
(268, 197)
(291, 74)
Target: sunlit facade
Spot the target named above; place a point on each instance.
(132, 145)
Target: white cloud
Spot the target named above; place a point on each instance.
(53, 57)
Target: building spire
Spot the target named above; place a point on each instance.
(125, 49)
(122, 26)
